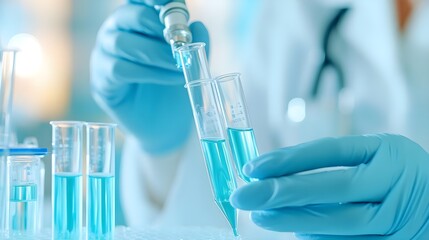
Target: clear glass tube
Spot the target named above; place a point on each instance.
(194, 62)
(100, 211)
(174, 15)
(24, 194)
(240, 132)
(208, 120)
(67, 179)
(7, 70)
(41, 191)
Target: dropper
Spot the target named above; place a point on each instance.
(175, 17)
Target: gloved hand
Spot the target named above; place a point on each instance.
(384, 194)
(134, 77)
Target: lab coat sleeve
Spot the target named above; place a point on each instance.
(145, 182)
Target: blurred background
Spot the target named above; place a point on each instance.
(52, 68)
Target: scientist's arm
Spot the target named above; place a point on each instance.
(383, 194)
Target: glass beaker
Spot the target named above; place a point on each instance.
(100, 211)
(67, 179)
(7, 70)
(25, 183)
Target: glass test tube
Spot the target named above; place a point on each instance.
(194, 62)
(174, 15)
(41, 191)
(240, 132)
(67, 179)
(100, 211)
(202, 93)
(25, 183)
(7, 69)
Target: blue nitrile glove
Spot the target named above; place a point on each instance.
(384, 195)
(135, 79)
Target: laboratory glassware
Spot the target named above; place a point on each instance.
(67, 179)
(32, 145)
(100, 211)
(328, 61)
(194, 61)
(240, 132)
(41, 191)
(25, 183)
(7, 70)
(208, 120)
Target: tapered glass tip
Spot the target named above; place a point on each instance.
(230, 213)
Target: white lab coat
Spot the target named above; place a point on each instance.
(387, 80)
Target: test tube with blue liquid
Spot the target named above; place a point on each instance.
(208, 120)
(67, 179)
(25, 184)
(240, 132)
(100, 211)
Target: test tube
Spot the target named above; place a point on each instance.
(240, 132)
(100, 211)
(194, 62)
(7, 69)
(67, 179)
(208, 121)
(24, 205)
(202, 94)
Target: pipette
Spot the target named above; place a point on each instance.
(7, 70)
(175, 16)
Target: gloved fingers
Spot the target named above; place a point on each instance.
(120, 72)
(136, 48)
(358, 184)
(332, 237)
(326, 152)
(135, 18)
(200, 34)
(151, 2)
(330, 219)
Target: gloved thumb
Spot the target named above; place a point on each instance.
(200, 34)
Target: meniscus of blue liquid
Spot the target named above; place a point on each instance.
(243, 147)
(101, 206)
(67, 206)
(187, 58)
(23, 208)
(221, 176)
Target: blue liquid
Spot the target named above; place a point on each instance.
(221, 176)
(101, 206)
(186, 58)
(23, 208)
(244, 149)
(67, 206)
